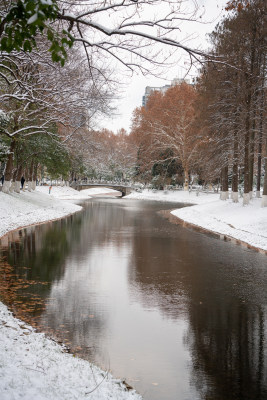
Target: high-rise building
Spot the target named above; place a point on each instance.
(162, 89)
(150, 89)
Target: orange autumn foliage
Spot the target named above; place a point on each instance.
(166, 125)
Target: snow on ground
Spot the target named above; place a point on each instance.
(179, 196)
(247, 224)
(35, 367)
(26, 208)
(62, 192)
(68, 193)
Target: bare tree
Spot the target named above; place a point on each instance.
(38, 97)
(133, 33)
(106, 155)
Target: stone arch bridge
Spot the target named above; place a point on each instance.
(125, 190)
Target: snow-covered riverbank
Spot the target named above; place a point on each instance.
(247, 224)
(26, 208)
(33, 367)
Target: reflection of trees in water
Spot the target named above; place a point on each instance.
(33, 261)
(227, 335)
(106, 222)
(160, 266)
(155, 276)
(67, 319)
(46, 254)
(222, 290)
(73, 303)
(43, 249)
(228, 346)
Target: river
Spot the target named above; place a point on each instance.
(175, 313)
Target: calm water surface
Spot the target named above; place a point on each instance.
(177, 314)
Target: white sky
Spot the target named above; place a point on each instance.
(131, 95)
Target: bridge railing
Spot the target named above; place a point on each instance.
(100, 182)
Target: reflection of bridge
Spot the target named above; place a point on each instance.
(125, 190)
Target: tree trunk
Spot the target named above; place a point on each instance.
(249, 83)
(34, 176)
(251, 159)
(264, 195)
(13, 183)
(259, 168)
(30, 186)
(9, 168)
(246, 196)
(235, 170)
(18, 179)
(260, 145)
(186, 179)
(26, 178)
(224, 184)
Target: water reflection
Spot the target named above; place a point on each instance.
(221, 290)
(228, 325)
(177, 314)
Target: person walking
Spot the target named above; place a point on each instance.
(22, 182)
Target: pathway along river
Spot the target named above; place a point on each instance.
(177, 314)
